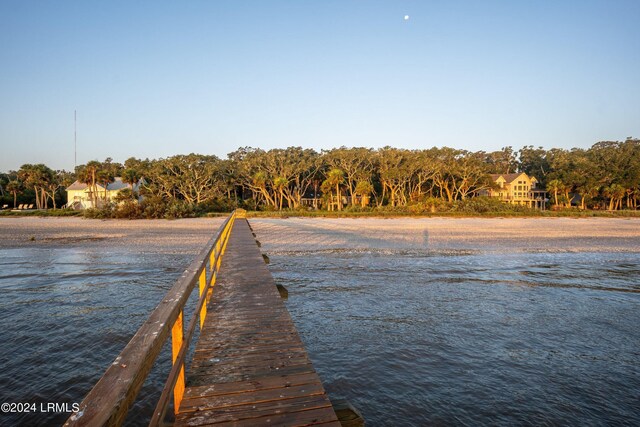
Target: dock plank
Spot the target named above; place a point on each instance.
(259, 410)
(250, 366)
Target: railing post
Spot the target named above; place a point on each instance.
(212, 260)
(226, 239)
(210, 291)
(177, 332)
(218, 254)
(202, 286)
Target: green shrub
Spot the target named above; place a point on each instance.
(215, 205)
(489, 205)
(179, 209)
(153, 207)
(128, 209)
(249, 205)
(61, 212)
(99, 213)
(429, 205)
(49, 212)
(355, 208)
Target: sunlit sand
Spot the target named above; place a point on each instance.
(311, 234)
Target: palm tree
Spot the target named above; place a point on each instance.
(363, 189)
(608, 192)
(554, 186)
(588, 191)
(327, 194)
(131, 177)
(616, 193)
(89, 175)
(105, 177)
(279, 184)
(335, 177)
(14, 187)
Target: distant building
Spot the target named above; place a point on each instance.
(517, 189)
(79, 194)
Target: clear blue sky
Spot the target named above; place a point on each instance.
(154, 79)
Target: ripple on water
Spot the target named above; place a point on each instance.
(543, 337)
(410, 337)
(66, 314)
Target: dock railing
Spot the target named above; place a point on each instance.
(108, 403)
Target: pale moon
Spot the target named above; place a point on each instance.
(406, 17)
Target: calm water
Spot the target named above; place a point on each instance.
(457, 337)
(66, 313)
(469, 338)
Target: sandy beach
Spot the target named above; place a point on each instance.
(153, 236)
(486, 234)
(299, 234)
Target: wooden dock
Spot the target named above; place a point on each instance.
(250, 366)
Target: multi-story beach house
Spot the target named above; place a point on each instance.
(517, 189)
(80, 195)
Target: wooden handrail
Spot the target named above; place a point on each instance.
(108, 403)
(176, 375)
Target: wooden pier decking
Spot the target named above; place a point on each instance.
(250, 366)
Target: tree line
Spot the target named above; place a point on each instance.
(605, 176)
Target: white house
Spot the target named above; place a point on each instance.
(79, 194)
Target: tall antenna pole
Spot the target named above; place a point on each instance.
(75, 143)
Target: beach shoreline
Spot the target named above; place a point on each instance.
(299, 233)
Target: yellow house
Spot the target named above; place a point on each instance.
(79, 194)
(518, 189)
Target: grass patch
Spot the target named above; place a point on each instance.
(42, 212)
(458, 209)
(398, 213)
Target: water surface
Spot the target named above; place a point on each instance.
(416, 322)
(464, 337)
(66, 313)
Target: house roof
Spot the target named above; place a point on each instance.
(77, 185)
(510, 177)
(117, 184)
